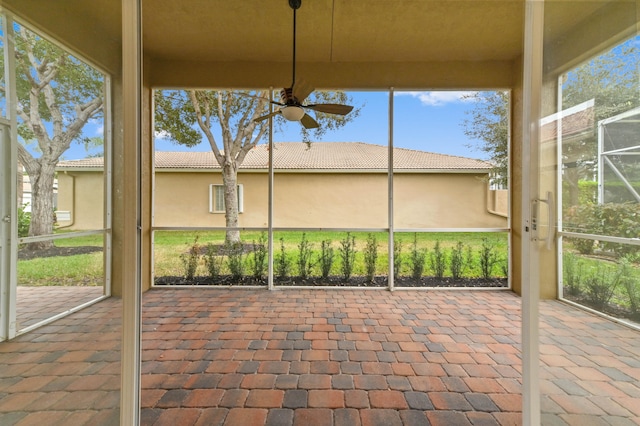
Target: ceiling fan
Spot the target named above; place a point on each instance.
(292, 106)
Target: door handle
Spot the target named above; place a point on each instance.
(549, 203)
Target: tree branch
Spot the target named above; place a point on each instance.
(205, 127)
(227, 139)
(30, 164)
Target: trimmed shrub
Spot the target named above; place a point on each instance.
(397, 258)
(235, 260)
(488, 258)
(438, 261)
(600, 286)
(347, 252)
(458, 262)
(371, 257)
(631, 285)
(259, 261)
(282, 262)
(304, 257)
(326, 258)
(613, 219)
(212, 261)
(417, 259)
(190, 259)
(572, 274)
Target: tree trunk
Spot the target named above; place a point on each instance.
(230, 181)
(572, 176)
(42, 205)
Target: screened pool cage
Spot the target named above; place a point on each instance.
(619, 158)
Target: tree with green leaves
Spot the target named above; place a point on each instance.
(227, 120)
(612, 81)
(57, 95)
(489, 123)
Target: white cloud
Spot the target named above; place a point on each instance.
(161, 134)
(438, 98)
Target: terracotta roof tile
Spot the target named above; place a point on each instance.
(576, 121)
(317, 156)
(91, 162)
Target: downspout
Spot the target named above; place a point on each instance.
(73, 203)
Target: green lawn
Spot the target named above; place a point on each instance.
(87, 268)
(169, 245)
(77, 261)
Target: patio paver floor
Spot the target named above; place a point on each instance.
(35, 304)
(326, 357)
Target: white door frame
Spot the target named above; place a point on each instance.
(130, 354)
(7, 267)
(530, 275)
(8, 196)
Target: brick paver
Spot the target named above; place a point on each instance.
(323, 357)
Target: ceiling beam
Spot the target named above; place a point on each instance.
(349, 76)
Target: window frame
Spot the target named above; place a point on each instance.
(213, 194)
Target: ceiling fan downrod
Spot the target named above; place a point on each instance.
(295, 5)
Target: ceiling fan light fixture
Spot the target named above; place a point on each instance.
(292, 113)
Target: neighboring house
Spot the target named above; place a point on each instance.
(324, 185)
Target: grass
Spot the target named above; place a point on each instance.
(77, 270)
(584, 267)
(86, 269)
(168, 245)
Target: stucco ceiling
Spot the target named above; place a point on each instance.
(334, 30)
(344, 30)
(251, 37)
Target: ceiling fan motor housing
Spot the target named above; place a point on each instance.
(287, 97)
(295, 4)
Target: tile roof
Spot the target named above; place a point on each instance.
(317, 156)
(576, 121)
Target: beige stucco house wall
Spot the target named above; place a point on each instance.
(83, 200)
(313, 188)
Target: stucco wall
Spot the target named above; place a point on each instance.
(331, 200)
(182, 199)
(499, 201)
(443, 201)
(82, 196)
(327, 200)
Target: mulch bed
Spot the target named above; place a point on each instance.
(610, 308)
(27, 254)
(334, 281)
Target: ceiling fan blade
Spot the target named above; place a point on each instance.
(301, 89)
(331, 108)
(264, 117)
(308, 122)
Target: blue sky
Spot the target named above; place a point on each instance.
(425, 121)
